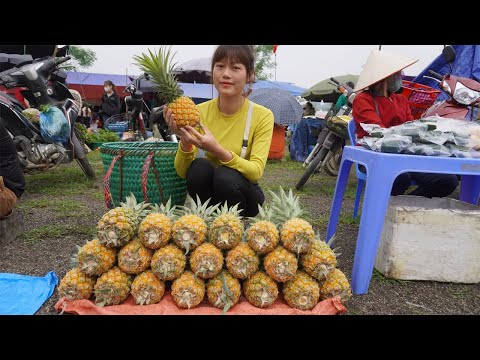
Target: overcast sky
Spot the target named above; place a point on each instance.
(303, 65)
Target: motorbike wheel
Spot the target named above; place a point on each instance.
(83, 163)
(86, 168)
(311, 168)
(333, 166)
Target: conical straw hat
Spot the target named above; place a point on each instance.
(379, 66)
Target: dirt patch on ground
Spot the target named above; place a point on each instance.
(61, 210)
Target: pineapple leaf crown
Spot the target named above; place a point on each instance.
(225, 209)
(140, 209)
(200, 209)
(167, 209)
(159, 65)
(265, 213)
(286, 206)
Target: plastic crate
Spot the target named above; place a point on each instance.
(420, 97)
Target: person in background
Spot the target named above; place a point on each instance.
(378, 103)
(110, 101)
(12, 181)
(308, 109)
(227, 173)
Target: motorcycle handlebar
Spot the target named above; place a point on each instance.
(61, 60)
(435, 75)
(335, 81)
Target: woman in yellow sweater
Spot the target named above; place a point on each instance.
(236, 139)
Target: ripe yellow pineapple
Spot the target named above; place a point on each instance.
(75, 285)
(260, 290)
(190, 229)
(134, 258)
(335, 284)
(168, 262)
(155, 230)
(94, 258)
(319, 260)
(296, 234)
(223, 291)
(206, 261)
(188, 290)
(147, 288)
(226, 230)
(159, 66)
(119, 225)
(112, 287)
(302, 292)
(263, 234)
(280, 264)
(242, 261)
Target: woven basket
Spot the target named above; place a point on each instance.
(144, 168)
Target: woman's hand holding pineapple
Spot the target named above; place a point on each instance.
(189, 136)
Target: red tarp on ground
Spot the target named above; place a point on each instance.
(166, 306)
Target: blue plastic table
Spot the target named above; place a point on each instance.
(382, 169)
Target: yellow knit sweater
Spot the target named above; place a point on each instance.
(228, 131)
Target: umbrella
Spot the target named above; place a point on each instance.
(195, 70)
(285, 107)
(324, 90)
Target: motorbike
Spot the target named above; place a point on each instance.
(464, 93)
(44, 86)
(135, 117)
(327, 152)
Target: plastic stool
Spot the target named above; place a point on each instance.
(382, 169)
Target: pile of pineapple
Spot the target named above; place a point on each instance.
(199, 249)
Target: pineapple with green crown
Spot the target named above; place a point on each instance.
(335, 284)
(302, 292)
(242, 261)
(223, 291)
(155, 230)
(147, 288)
(320, 259)
(262, 235)
(94, 258)
(159, 66)
(296, 234)
(226, 230)
(188, 290)
(113, 287)
(206, 261)
(119, 225)
(76, 285)
(168, 262)
(260, 290)
(280, 264)
(190, 229)
(134, 258)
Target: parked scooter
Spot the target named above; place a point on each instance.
(464, 93)
(35, 152)
(327, 152)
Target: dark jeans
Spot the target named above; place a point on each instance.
(10, 168)
(429, 184)
(222, 184)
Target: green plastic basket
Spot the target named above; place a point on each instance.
(144, 168)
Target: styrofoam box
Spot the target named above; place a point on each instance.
(430, 239)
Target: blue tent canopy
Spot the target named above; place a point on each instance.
(84, 78)
(466, 64)
(193, 90)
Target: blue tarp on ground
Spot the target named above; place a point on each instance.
(303, 138)
(466, 64)
(23, 294)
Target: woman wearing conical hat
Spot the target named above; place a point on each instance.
(378, 103)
